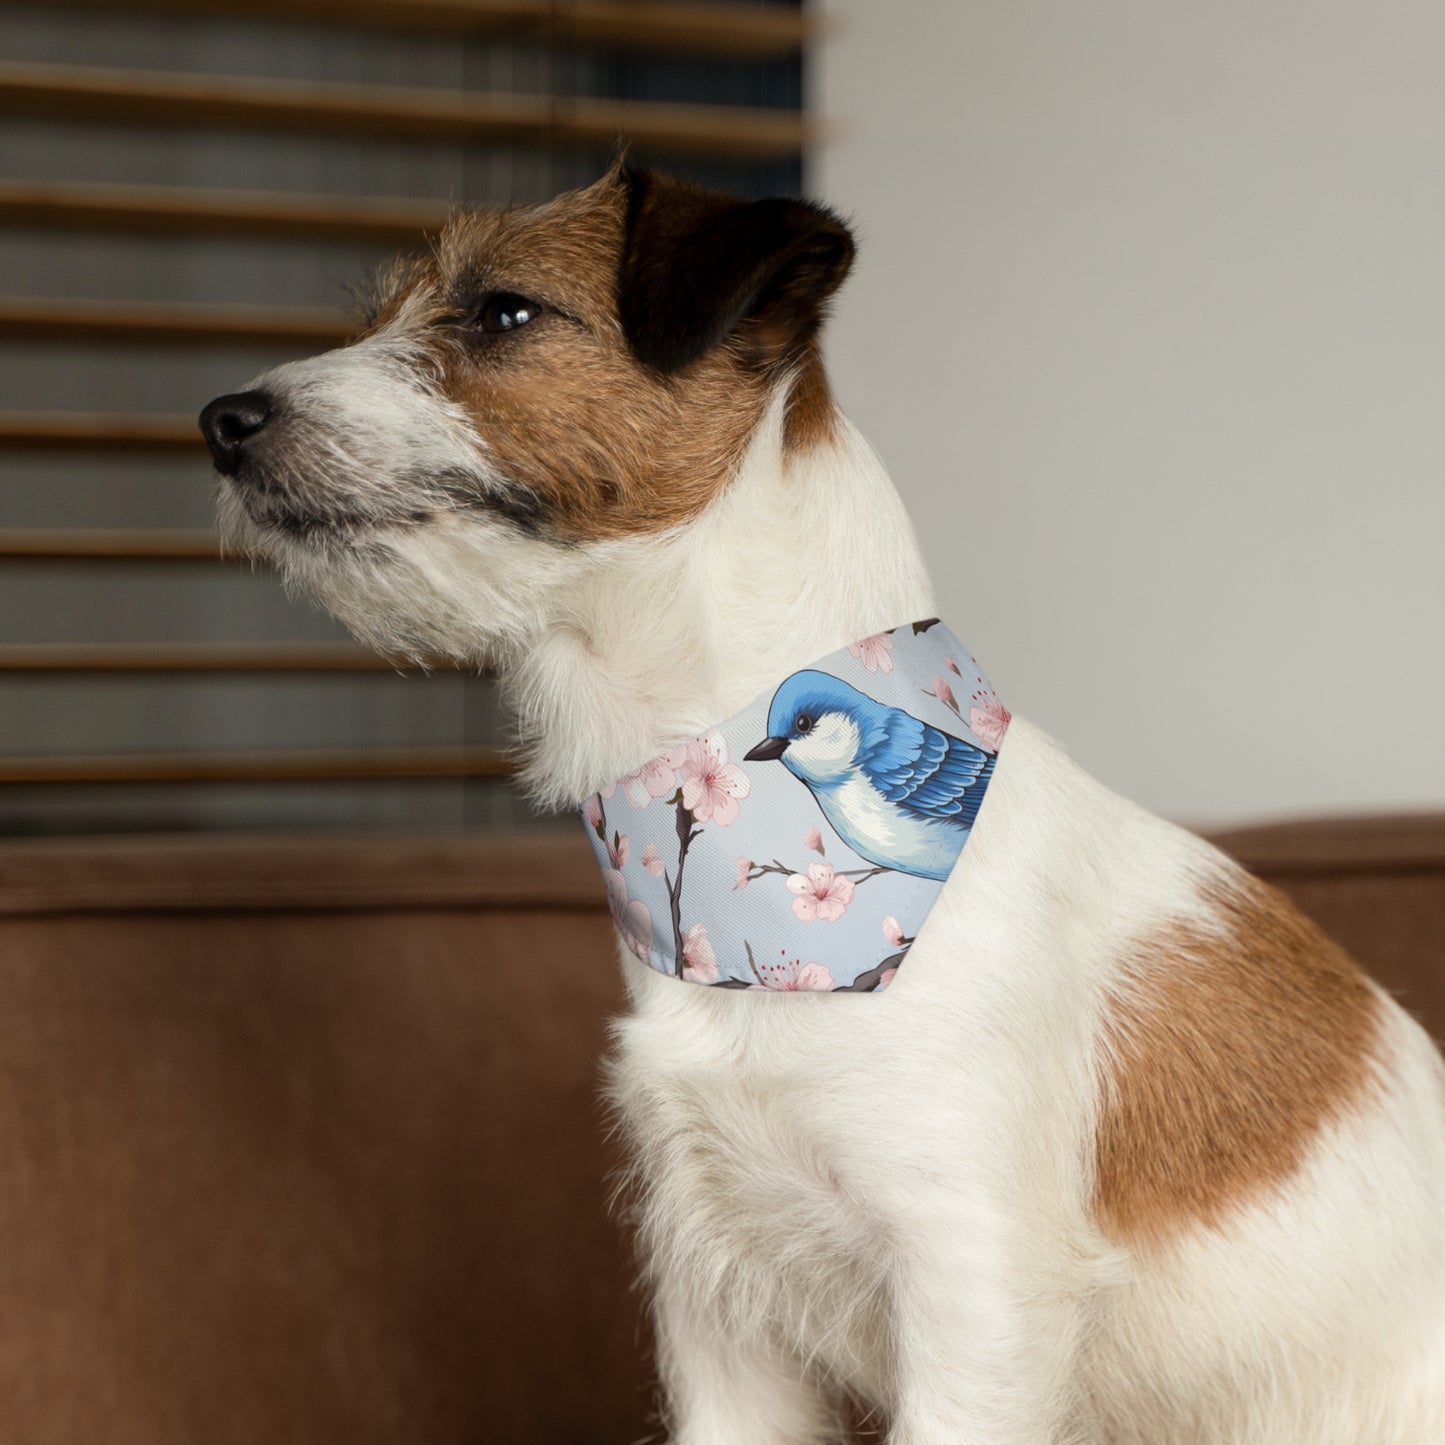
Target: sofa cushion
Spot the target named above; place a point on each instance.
(300, 1136)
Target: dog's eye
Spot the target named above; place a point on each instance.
(802, 723)
(505, 311)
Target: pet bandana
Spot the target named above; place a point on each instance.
(799, 845)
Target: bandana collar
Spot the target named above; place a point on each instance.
(799, 845)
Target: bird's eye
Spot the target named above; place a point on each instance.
(505, 311)
(802, 723)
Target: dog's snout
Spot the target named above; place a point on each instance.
(229, 422)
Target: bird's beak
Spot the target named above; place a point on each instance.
(766, 750)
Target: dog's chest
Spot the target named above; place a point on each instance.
(753, 1172)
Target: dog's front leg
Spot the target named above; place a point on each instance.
(724, 1387)
(986, 1338)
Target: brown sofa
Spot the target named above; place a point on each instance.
(300, 1141)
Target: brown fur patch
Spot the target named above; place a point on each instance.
(605, 445)
(608, 447)
(1226, 1053)
(812, 418)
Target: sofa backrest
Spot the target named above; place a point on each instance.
(300, 1138)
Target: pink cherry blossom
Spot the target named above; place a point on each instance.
(944, 693)
(618, 850)
(745, 867)
(616, 886)
(989, 718)
(699, 961)
(813, 839)
(873, 652)
(652, 860)
(794, 976)
(893, 930)
(885, 978)
(822, 894)
(953, 667)
(631, 915)
(592, 811)
(652, 780)
(608, 791)
(813, 978)
(711, 785)
(636, 927)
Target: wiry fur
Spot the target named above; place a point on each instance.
(899, 1197)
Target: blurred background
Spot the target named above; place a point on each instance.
(188, 193)
(302, 1009)
(1148, 323)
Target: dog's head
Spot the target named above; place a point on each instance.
(547, 383)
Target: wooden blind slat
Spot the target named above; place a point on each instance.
(756, 31)
(223, 102)
(189, 657)
(271, 872)
(84, 431)
(277, 766)
(171, 210)
(704, 29)
(78, 544)
(170, 323)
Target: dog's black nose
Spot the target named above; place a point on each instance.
(229, 422)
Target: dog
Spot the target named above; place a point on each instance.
(1127, 1152)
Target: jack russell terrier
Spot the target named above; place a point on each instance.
(1118, 1150)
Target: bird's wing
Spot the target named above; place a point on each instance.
(924, 770)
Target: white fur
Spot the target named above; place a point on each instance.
(891, 1195)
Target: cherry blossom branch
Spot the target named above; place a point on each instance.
(861, 875)
(752, 962)
(686, 832)
(858, 875)
(868, 981)
(756, 870)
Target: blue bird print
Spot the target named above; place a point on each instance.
(899, 792)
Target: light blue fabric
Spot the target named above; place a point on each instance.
(799, 845)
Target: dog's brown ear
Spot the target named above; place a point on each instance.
(698, 267)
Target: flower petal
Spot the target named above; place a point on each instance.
(636, 929)
(658, 777)
(724, 809)
(813, 978)
(696, 798)
(732, 780)
(697, 952)
(616, 886)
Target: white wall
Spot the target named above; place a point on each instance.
(1149, 324)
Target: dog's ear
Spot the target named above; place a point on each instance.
(698, 267)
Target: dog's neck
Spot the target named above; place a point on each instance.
(656, 639)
